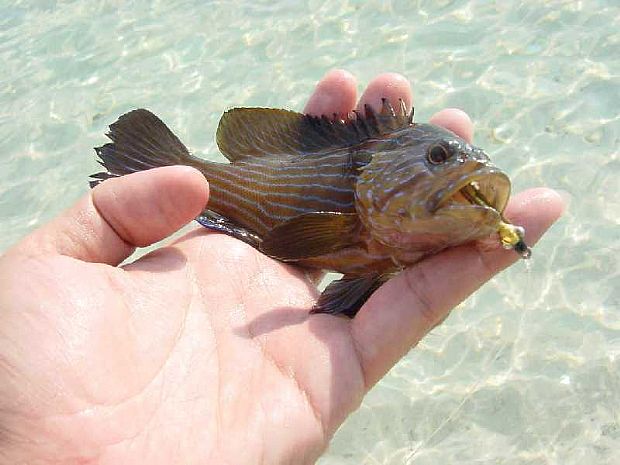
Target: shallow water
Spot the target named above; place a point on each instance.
(526, 371)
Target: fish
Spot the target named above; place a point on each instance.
(364, 196)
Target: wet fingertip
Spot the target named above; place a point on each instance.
(455, 120)
(338, 76)
(541, 197)
(551, 202)
(566, 197)
(536, 210)
(391, 80)
(147, 206)
(335, 93)
(191, 175)
(185, 186)
(391, 86)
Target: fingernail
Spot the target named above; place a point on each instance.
(566, 196)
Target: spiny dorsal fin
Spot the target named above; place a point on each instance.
(255, 132)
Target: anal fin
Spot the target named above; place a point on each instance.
(347, 295)
(218, 223)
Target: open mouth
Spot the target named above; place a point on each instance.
(487, 188)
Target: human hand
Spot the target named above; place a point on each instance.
(203, 351)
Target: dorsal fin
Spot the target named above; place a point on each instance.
(254, 132)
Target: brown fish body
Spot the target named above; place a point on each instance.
(363, 197)
(263, 193)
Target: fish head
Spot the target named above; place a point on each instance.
(411, 195)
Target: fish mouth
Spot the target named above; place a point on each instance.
(486, 188)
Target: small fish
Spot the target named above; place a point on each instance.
(365, 197)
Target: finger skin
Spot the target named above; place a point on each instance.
(456, 121)
(335, 93)
(406, 308)
(391, 86)
(121, 214)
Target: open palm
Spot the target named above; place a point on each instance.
(202, 351)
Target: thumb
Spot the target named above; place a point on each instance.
(121, 214)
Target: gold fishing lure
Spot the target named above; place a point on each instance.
(511, 236)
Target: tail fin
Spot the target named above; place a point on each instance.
(140, 141)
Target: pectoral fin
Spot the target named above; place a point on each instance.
(311, 235)
(347, 295)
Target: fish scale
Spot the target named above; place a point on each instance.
(365, 197)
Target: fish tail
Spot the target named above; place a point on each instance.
(140, 141)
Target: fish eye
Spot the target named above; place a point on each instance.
(437, 154)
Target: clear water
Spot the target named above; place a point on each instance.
(527, 370)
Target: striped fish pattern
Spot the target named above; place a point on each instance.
(364, 196)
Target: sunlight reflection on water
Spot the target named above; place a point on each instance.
(526, 371)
